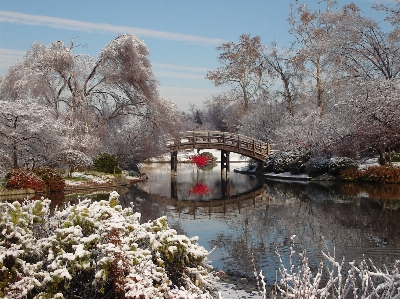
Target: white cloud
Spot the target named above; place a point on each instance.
(163, 73)
(28, 19)
(9, 57)
(179, 71)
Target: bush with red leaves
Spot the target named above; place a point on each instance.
(53, 179)
(21, 178)
(378, 174)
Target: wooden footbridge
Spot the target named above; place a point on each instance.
(224, 141)
(237, 143)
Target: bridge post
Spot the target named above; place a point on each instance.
(174, 187)
(225, 163)
(174, 162)
(225, 187)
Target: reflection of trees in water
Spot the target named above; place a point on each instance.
(314, 213)
(254, 229)
(143, 203)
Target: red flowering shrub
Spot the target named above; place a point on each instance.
(52, 178)
(204, 161)
(200, 189)
(21, 178)
(200, 160)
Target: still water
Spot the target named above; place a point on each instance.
(246, 220)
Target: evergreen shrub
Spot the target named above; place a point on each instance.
(337, 164)
(53, 179)
(22, 178)
(106, 163)
(286, 161)
(333, 166)
(317, 166)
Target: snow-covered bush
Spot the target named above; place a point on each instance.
(284, 161)
(96, 250)
(73, 159)
(335, 279)
(319, 165)
(337, 164)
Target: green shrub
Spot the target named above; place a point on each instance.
(22, 178)
(299, 164)
(52, 178)
(396, 157)
(211, 161)
(106, 163)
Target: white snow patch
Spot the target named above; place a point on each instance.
(288, 175)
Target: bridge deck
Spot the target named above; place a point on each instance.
(237, 143)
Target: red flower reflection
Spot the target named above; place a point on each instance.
(200, 189)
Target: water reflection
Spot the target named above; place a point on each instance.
(195, 184)
(251, 226)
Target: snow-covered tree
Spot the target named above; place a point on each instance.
(221, 113)
(93, 97)
(71, 159)
(310, 29)
(241, 68)
(280, 65)
(362, 48)
(392, 10)
(28, 132)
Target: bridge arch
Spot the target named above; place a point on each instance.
(237, 143)
(224, 141)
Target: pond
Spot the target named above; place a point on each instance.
(246, 220)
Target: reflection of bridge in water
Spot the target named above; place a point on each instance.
(221, 206)
(226, 204)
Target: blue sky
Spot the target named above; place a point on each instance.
(181, 34)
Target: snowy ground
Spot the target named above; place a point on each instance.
(228, 291)
(79, 179)
(374, 162)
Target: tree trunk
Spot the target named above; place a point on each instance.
(15, 157)
(320, 99)
(288, 94)
(246, 101)
(382, 157)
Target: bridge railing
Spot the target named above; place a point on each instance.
(220, 140)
